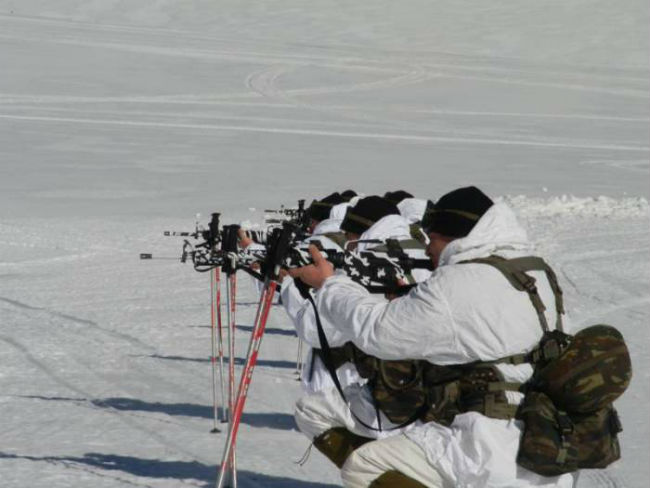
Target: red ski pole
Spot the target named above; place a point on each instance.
(231, 290)
(224, 414)
(266, 301)
(213, 359)
(282, 239)
(217, 346)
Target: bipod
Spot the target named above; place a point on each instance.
(279, 246)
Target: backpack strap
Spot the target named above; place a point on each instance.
(514, 271)
(337, 237)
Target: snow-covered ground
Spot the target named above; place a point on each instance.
(121, 119)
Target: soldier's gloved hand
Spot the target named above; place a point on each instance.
(315, 274)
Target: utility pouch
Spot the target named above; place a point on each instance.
(555, 442)
(398, 390)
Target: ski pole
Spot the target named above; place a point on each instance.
(213, 357)
(224, 414)
(231, 367)
(299, 360)
(278, 249)
(251, 359)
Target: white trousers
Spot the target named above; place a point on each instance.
(397, 453)
(318, 412)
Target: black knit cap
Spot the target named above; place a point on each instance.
(366, 213)
(397, 196)
(456, 213)
(320, 209)
(348, 195)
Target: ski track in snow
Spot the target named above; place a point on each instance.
(335, 134)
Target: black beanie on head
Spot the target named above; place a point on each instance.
(348, 195)
(397, 196)
(320, 209)
(456, 213)
(366, 213)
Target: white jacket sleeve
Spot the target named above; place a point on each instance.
(416, 326)
(301, 313)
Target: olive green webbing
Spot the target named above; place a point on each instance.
(337, 238)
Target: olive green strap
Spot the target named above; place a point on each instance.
(498, 410)
(337, 238)
(534, 263)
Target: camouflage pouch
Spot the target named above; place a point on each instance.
(366, 364)
(398, 390)
(555, 442)
(589, 373)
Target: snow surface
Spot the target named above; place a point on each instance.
(121, 119)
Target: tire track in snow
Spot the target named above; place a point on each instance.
(376, 55)
(344, 49)
(265, 83)
(334, 134)
(37, 101)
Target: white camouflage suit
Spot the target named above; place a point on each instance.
(315, 376)
(324, 409)
(462, 313)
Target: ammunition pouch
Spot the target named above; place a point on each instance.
(409, 390)
(555, 442)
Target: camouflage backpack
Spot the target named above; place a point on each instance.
(569, 420)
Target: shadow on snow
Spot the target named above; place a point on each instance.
(279, 421)
(156, 468)
(271, 363)
(249, 328)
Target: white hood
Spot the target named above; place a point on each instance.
(498, 231)
(412, 209)
(333, 224)
(338, 211)
(389, 227)
(326, 226)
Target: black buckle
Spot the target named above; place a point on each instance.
(615, 425)
(564, 423)
(550, 350)
(529, 285)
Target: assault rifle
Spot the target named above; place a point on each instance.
(377, 271)
(296, 216)
(210, 236)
